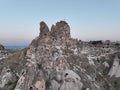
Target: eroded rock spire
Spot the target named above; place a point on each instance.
(59, 34)
(44, 30)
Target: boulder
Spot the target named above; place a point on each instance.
(71, 81)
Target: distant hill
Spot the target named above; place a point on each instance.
(15, 47)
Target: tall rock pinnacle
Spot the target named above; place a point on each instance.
(44, 30)
(59, 34)
(60, 30)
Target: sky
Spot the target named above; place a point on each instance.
(88, 19)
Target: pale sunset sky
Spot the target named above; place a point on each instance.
(88, 19)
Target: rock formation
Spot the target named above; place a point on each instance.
(115, 70)
(44, 31)
(45, 61)
(55, 61)
(61, 32)
(4, 53)
(1, 47)
(5, 76)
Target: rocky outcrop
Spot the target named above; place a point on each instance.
(115, 69)
(2, 47)
(6, 76)
(45, 61)
(66, 80)
(71, 81)
(4, 53)
(44, 30)
(55, 61)
(59, 33)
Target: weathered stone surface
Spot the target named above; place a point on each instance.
(6, 76)
(55, 61)
(44, 30)
(44, 33)
(68, 80)
(61, 32)
(71, 81)
(40, 85)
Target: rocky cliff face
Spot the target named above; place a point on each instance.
(58, 35)
(46, 64)
(55, 61)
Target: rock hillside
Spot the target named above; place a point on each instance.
(55, 61)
